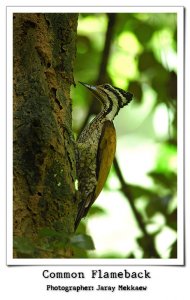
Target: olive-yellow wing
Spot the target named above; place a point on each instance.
(105, 155)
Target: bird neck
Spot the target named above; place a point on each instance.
(108, 113)
(111, 111)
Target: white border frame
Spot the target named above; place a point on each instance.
(180, 102)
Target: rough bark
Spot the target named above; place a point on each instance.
(44, 158)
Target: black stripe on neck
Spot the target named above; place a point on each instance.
(128, 96)
(109, 109)
(116, 93)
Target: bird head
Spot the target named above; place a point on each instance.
(105, 91)
(112, 98)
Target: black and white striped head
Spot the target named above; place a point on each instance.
(112, 98)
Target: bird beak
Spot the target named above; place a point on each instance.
(90, 87)
(93, 89)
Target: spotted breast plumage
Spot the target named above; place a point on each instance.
(96, 146)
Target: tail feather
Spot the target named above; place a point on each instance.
(83, 210)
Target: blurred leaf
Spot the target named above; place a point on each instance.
(51, 233)
(131, 255)
(139, 191)
(96, 210)
(82, 227)
(24, 245)
(144, 32)
(80, 253)
(136, 87)
(172, 220)
(167, 179)
(147, 60)
(158, 204)
(160, 81)
(161, 75)
(167, 152)
(156, 232)
(82, 241)
(47, 232)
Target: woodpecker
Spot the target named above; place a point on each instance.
(96, 145)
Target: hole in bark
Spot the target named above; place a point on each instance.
(48, 65)
(29, 24)
(51, 147)
(39, 194)
(36, 123)
(53, 92)
(58, 103)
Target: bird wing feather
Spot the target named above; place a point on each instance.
(105, 155)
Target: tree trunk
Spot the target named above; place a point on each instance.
(44, 155)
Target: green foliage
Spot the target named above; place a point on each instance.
(24, 246)
(82, 241)
(142, 59)
(96, 210)
(50, 240)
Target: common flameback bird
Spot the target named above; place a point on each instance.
(96, 146)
